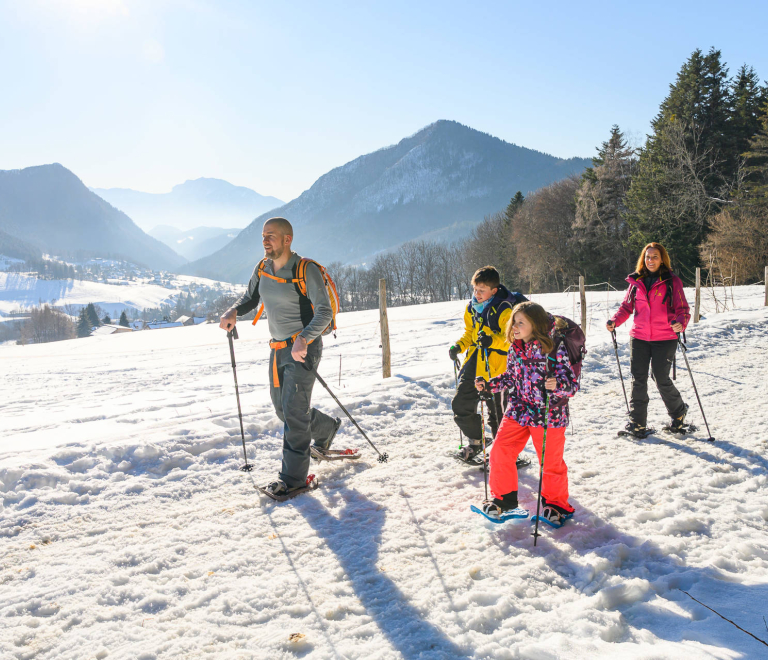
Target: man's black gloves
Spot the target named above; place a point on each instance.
(484, 341)
(454, 351)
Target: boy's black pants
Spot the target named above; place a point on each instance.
(659, 355)
(465, 402)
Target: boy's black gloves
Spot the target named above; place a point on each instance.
(454, 351)
(484, 341)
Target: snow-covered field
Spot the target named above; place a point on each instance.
(126, 530)
(22, 291)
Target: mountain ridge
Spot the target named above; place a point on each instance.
(49, 207)
(445, 174)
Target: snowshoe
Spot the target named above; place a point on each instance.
(493, 512)
(278, 491)
(683, 429)
(472, 454)
(552, 516)
(520, 463)
(320, 454)
(636, 431)
(678, 425)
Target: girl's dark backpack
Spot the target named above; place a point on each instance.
(575, 343)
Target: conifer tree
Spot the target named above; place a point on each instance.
(515, 204)
(83, 328)
(106, 320)
(124, 320)
(748, 101)
(755, 188)
(600, 228)
(92, 316)
(686, 164)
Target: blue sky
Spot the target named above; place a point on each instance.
(145, 94)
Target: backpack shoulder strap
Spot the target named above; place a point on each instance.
(301, 274)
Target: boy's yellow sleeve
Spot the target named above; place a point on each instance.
(466, 339)
(500, 338)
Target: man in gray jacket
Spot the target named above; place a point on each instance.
(296, 323)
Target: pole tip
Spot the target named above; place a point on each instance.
(246, 468)
(383, 458)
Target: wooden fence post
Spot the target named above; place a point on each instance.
(697, 305)
(765, 277)
(583, 295)
(386, 359)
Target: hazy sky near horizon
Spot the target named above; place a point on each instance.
(145, 94)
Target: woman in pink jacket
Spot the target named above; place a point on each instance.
(655, 296)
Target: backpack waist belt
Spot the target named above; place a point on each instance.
(276, 346)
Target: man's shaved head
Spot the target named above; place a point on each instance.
(281, 224)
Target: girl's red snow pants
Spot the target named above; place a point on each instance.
(510, 441)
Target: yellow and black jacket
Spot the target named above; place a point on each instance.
(493, 321)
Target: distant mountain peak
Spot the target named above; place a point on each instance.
(196, 202)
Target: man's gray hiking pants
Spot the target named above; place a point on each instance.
(290, 386)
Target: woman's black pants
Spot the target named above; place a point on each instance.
(659, 356)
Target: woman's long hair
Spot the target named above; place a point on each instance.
(666, 264)
(539, 319)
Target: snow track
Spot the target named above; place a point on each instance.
(126, 530)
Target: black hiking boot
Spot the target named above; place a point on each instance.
(277, 488)
(496, 508)
(469, 452)
(678, 423)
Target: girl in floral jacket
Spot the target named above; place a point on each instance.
(537, 366)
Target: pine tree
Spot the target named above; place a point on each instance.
(124, 320)
(106, 320)
(755, 188)
(83, 328)
(600, 228)
(748, 100)
(92, 316)
(515, 204)
(687, 163)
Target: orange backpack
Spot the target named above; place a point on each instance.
(300, 282)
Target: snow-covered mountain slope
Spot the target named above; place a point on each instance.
(126, 530)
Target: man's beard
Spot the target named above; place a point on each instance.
(274, 254)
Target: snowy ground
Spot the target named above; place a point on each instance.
(126, 530)
(22, 291)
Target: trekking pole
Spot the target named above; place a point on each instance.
(618, 364)
(684, 349)
(232, 334)
(492, 402)
(482, 431)
(456, 377)
(307, 364)
(543, 449)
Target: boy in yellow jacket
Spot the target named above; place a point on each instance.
(485, 343)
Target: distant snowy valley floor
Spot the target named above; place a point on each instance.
(126, 530)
